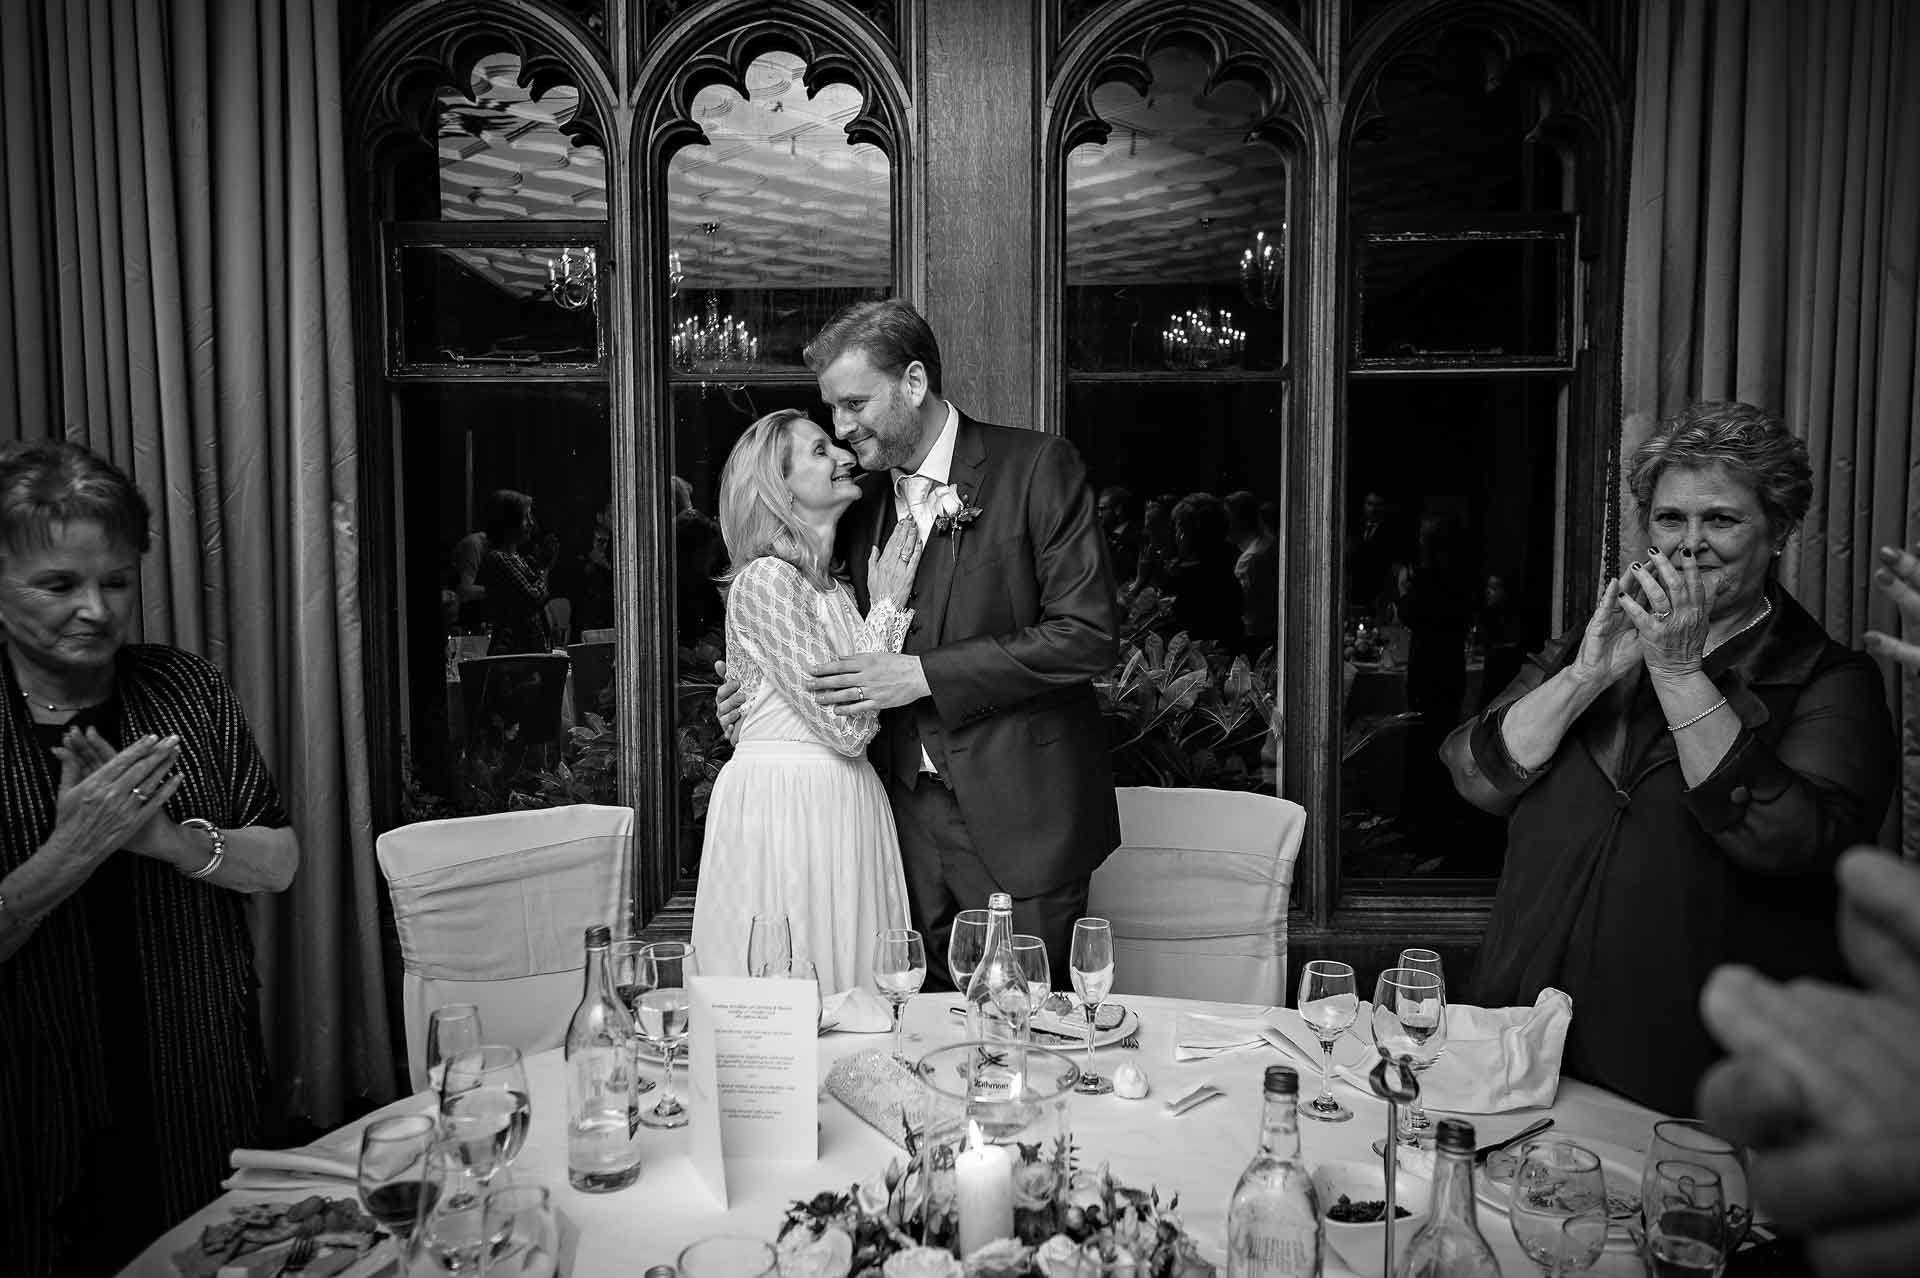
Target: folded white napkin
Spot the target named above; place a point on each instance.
(278, 1170)
(1352, 1056)
(1496, 1058)
(1198, 1036)
(855, 1011)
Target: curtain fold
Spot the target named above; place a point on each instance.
(177, 248)
(1772, 240)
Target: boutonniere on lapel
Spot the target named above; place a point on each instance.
(952, 512)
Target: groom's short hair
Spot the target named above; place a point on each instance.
(891, 332)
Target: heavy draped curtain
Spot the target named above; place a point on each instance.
(177, 258)
(1771, 251)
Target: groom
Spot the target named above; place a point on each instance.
(991, 742)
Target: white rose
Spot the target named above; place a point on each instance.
(828, 1256)
(922, 1262)
(870, 1200)
(947, 503)
(1062, 1257)
(1001, 1258)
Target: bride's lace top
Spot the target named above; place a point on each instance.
(779, 627)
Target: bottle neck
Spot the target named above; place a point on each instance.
(597, 975)
(1453, 1188)
(999, 929)
(1280, 1127)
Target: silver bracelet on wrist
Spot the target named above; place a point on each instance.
(1688, 723)
(217, 837)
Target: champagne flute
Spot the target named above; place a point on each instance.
(1688, 1139)
(966, 946)
(451, 1030)
(769, 946)
(392, 1172)
(485, 1107)
(1416, 1127)
(632, 976)
(1030, 956)
(1558, 1180)
(1091, 961)
(663, 1019)
(522, 1236)
(1330, 1004)
(1686, 1219)
(899, 970)
(1410, 1020)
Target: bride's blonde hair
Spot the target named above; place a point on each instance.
(756, 506)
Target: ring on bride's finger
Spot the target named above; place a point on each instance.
(139, 795)
(859, 693)
(1662, 616)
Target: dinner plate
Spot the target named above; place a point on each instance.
(1073, 1026)
(1493, 1183)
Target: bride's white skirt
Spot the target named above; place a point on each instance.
(797, 827)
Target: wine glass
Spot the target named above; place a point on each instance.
(448, 1234)
(392, 1173)
(1330, 1004)
(1685, 1213)
(1416, 1125)
(728, 1256)
(522, 1236)
(1410, 1020)
(632, 976)
(769, 946)
(804, 970)
(1688, 1139)
(1030, 956)
(663, 1019)
(966, 946)
(899, 970)
(1091, 961)
(485, 1107)
(1557, 1180)
(451, 1030)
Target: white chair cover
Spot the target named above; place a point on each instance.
(492, 910)
(1197, 893)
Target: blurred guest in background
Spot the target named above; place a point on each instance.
(586, 577)
(1378, 549)
(1156, 544)
(1501, 636)
(1206, 598)
(699, 556)
(1681, 773)
(514, 574)
(469, 595)
(138, 815)
(1115, 509)
(1256, 569)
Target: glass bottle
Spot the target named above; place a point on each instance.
(602, 1150)
(998, 1003)
(1449, 1244)
(1273, 1218)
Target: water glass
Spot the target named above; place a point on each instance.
(1416, 1124)
(728, 1256)
(485, 1107)
(899, 970)
(1030, 956)
(804, 970)
(1329, 1002)
(448, 1235)
(522, 1235)
(1558, 1180)
(663, 1019)
(451, 1030)
(632, 976)
(769, 946)
(1689, 1140)
(1685, 1214)
(1410, 1020)
(392, 1172)
(966, 946)
(1091, 959)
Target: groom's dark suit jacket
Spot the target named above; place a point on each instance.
(1014, 616)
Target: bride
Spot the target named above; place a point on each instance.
(799, 822)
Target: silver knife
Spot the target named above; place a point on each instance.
(1480, 1154)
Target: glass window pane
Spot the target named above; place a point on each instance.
(485, 736)
(489, 305)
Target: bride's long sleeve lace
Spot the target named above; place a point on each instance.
(774, 631)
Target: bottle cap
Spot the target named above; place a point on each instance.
(1281, 1080)
(662, 1271)
(1455, 1136)
(599, 936)
(1000, 901)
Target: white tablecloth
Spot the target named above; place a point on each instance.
(1199, 1155)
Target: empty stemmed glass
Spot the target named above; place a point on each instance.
(1410, 1020)
(1030, 956)
(1418, 1126)
(663, 1019)
(447, 1235)
(485, 1107)
(632, 976)
(521, 1234)
(1330, 1004)
(1688, 1139)
(1091, 961)
(966, 946)
(451, 1030)
(1556, 1181)
(899, 970)
(1684, 1213)
(769, 946)
(392, 1171)
(804, 970)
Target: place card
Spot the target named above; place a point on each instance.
(753, 1072)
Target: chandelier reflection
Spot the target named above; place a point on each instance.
(714, 341)
(1263, 271)
(574, 280)
(1202, 339)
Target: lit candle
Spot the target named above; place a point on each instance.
(983, 1193)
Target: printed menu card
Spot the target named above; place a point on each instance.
(754, 1072)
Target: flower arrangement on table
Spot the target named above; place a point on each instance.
(1067, 1224)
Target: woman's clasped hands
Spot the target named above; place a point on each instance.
(112, 799)
(1657, 613)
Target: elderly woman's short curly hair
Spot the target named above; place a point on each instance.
(1753, 445)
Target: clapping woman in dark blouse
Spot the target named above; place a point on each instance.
(138, 815)
(1681, 773)
(514, 574)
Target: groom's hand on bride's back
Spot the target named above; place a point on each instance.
(729, 702)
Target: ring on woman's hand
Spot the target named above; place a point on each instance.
(1662, 616)
(859, 693)
(140, 796)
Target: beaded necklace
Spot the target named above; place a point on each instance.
(1766, 609)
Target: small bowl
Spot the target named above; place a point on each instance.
(1360, 1245)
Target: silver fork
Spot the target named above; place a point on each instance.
(1132, 1041)
(299, 1254)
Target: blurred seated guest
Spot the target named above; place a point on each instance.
(1156, 545)
(699, 558)
(139, 814)
(514, 575)
(586, 577)
(469, 595)
(1378, 551)
(1115, 508)
(1256, 569)
(1681, 773)
(1503, 637)
(1206, 598)
(1819, 1081)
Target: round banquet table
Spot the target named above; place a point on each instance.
(1198, 1155)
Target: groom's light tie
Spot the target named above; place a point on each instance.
(906, 533)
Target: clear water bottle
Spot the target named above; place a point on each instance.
(1273, 1219)
(1449, 1244)
(602, 1124)
(998, 1003)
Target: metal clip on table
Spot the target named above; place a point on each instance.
(1394, 1082)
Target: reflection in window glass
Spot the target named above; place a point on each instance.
(497, 595)
(1175, 341)
(499, 305)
